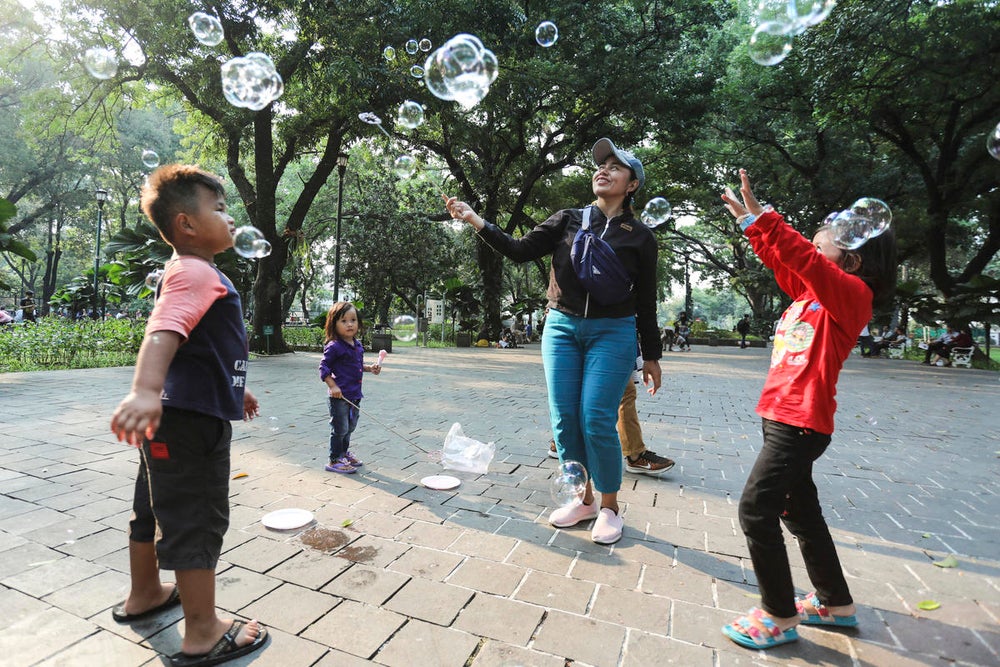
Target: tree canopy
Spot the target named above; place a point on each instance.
(886, 98)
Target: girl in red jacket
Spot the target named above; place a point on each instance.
(832, 291)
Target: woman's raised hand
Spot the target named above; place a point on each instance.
(749, 203)
(459, 210)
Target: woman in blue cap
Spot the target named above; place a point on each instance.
(589, 341)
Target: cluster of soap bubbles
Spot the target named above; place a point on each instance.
(249, 242)
(569, 484)
(404, 328)
(412, 47)
(462, 70)
(251, 81)
(993, 142)
(779, 21)
(865, 219)
(546, 34)
(657, 212)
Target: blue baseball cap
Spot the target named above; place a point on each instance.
(604, 148)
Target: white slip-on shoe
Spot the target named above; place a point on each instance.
(608, 527)
(564, 517)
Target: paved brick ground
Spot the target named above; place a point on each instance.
(476, 575)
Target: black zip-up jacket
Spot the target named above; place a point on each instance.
(632, 242)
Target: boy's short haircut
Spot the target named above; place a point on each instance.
(173, 188)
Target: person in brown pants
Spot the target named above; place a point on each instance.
(638, 459)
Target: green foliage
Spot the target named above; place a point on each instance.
(57, 343)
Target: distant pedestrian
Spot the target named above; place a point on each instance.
(743, 327)
(28, 306)
(188, 385)
(833, 291)
(341, 370)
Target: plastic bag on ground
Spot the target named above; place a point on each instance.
(466, 454)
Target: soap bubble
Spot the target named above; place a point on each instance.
(810, 12)
(770, 43)
(993, 142)
(389, 53)
(417, 72)
(250, 242)
(461, 70)
(569, 484)
(101, 63)
(207, 29)
(412, 46)
(876, 212)
(251, 81)
(546, 34)
(404, 166)
(657, 212)
(849, 231)
(425, 45)
(150, 158)
(153, 279)
(411, 114)
(272, 424)
(404, 328)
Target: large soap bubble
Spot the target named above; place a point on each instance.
(150, 158)
(993, 142)
(101, 63)
(569, 484)
(770, 43)
(404, 328)
(251, 81)
(657, 212)
(404, 166)
(875, 211)
(546, 34)
(250, 242)
(207, 29)
(849, 231)
(461, 70)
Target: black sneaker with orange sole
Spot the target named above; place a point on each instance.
(648, 463)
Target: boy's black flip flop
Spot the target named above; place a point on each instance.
(120, 615)
(225, 649)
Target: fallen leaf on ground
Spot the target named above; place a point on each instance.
(928, 605)
(947, 561)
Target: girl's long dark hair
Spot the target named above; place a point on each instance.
(336, 313)
(877, 266)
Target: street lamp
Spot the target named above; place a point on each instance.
(101, 195)
(341, 168)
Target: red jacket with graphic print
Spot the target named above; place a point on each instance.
(816, 333)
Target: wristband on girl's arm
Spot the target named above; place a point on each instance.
(745, 220)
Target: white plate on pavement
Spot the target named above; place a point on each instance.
(287, 519)
(440, 482)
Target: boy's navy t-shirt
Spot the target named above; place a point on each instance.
(208, 373)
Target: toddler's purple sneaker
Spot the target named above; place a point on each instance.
(341, 466)
(352, 459)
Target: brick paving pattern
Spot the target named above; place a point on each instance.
(392, 573)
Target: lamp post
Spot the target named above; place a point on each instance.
(101, 195)
(341, 168)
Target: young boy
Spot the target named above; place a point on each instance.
(188, 384)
